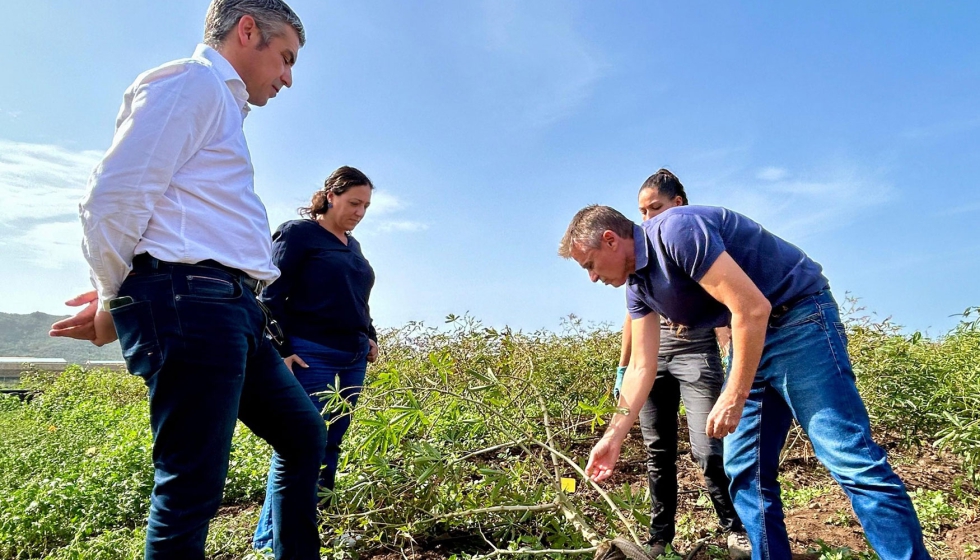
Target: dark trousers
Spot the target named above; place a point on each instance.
(195, 336)
(697, 378)
(329, 370)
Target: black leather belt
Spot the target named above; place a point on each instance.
(147, 261)
(778, 311)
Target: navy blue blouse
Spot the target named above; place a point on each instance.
(322, 293)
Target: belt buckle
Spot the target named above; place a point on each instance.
(777, 314)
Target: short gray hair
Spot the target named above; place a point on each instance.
(269, 16)
(587, 227)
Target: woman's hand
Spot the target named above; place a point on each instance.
(294, 359)
(372, 354)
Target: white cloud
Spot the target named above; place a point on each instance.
(42, 181)
(389, 226)
(805, 206)
(54, 245)
(379, 219)
(40, 186)
(385, 204)
(772, 174)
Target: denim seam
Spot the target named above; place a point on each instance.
(173, 301)
(840, 374)
(758, 476)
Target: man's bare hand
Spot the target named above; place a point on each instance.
(372, 354)
(725, 415)
(602, 459)
(292, 360)
(91, 323)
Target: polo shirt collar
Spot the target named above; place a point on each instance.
(641, 250)
(226, 72)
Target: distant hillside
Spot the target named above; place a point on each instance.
(27, 335)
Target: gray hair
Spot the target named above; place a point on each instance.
(588, 225)
(269, 16)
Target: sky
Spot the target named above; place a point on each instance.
(851, 129)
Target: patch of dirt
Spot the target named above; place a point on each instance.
(964, 541)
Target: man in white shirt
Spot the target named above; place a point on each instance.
(178, 244)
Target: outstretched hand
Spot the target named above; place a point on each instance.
(602, 459)
(91, 323)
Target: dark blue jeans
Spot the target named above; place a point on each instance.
(805, 374)
(195, 336)
(697, 378)
(329, 369)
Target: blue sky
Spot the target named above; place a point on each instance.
(850, 129)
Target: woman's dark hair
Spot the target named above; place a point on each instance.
(667, 184)
(337, 183)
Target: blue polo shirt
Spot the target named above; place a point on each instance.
(676, 248)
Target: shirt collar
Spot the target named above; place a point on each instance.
(226, 72)
(640, 248)
(641, 251)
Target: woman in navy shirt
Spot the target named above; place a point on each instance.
(320, 302)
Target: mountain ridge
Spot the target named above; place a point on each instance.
(27, 335)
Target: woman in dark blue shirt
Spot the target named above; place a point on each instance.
(320, 302)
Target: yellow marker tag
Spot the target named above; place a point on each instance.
(568, 485)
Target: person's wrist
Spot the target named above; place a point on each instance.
(733, 393)
(613, 436)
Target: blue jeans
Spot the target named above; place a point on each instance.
(327, 368)
(805, 374)
(697, 378)
(195, 336)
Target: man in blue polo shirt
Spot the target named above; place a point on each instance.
(709, 267)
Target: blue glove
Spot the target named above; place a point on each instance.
(620, 372)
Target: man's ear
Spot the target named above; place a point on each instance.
(610, 238)
(247, 31)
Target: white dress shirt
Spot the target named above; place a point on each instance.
(177, 182)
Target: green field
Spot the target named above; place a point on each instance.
(459, 444)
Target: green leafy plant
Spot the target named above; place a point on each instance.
(933, 509)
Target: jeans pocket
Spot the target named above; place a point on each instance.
(138, 338)
(797, 321)
(210, 287)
